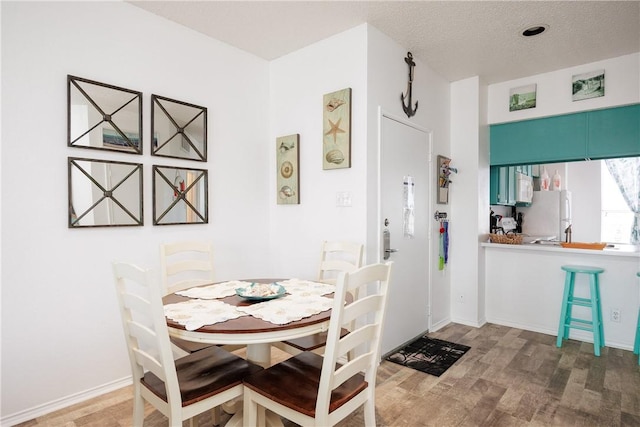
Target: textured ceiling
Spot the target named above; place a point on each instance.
(457, 39)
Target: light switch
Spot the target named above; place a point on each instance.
(343, 199)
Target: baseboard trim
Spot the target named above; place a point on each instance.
(46, 408)
(472, 323)
(439, 325)
(576, 335)
(384, 356)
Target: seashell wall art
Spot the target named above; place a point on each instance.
(288, 160)
(336, 129)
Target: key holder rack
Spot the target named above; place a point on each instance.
(444, 171)
(439, 216)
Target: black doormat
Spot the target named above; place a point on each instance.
(429, 355)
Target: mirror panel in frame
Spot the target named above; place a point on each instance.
(180, 195)
(178, 129)
(104, 193)
(103, 117)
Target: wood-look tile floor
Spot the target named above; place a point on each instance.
(510, 377)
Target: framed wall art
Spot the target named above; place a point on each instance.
(336, 130)
(102, 116)
(288, 175)
(180, 195)
(587, 85)
(179, 129)
(522, 98)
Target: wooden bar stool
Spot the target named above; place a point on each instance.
(569, 300)
(636, 345)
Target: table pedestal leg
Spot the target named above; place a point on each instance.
(260, 354)
(271, 419)
(231, 407)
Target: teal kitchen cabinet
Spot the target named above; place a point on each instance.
(614, 132)
(502, 184)
(597, 134)
(545, 140)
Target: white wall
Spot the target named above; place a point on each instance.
(298, 82)
(387, 79)
(250, 103)
(622, 87)
(61, 333)
(469, 153)
(373, 65)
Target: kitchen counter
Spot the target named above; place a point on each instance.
(524, 285)
(619, 250)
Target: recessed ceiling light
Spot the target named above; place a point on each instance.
(534, 30)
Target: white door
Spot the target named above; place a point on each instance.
(405, 167)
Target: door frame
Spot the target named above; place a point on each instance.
(382, 114)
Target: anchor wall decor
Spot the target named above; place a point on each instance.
(407, 108)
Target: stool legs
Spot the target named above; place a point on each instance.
(567, 321)
(636, 345)
(596, 314)
(565, 313)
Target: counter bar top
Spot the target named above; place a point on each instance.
(620, 251)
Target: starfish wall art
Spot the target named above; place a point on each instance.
(336, 129)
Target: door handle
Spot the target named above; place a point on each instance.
(386, 243)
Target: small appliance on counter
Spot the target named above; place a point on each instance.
(508, 224)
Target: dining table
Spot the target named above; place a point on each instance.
(216, 314)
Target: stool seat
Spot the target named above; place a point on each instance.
(582, 269)
(567, 321)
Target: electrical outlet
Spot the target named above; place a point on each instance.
(615, 315)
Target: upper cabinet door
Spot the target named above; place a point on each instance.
(545, 140)
(614, 132)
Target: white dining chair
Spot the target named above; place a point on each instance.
(313, 390)
(335, 257)
(182, 389)
(338, 256)
(183, 265)
(186, 264)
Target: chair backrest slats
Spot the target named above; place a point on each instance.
(361, 307)
(356, 338)
(366, 314)
(150, 363)
(186, 264)
(336, 257)
(357, 365)
(145, 327)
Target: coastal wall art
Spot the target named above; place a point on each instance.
(288, 176)
(336, 130)
(587, 85)
(522, 98)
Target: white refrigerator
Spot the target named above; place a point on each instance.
(549, 214)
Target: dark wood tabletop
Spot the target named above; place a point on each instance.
(246, 324)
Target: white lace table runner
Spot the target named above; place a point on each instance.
(196, 313)
(288, 308)
(307, 287)
(219, 290)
